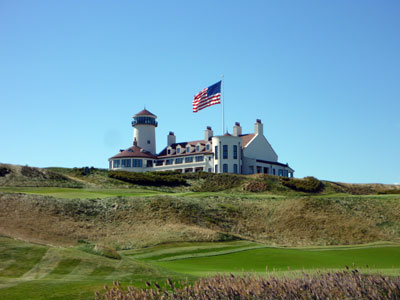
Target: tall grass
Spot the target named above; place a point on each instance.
(339, 285)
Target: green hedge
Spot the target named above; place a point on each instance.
(307, 184)
(150, 178)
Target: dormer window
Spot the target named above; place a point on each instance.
(188, 149)
(197, 148)
(208, 147)
(178, 150)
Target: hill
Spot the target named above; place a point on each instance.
(87, 204)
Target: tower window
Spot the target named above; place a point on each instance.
(216, 153)
(234, 151)
(148, 142)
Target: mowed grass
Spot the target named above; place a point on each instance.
(30, 271)
(382, 258)
(84, 193)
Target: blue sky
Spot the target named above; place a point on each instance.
(323, 76)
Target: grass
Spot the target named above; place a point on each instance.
(42, 272)
(236, 257)
(84, 193)
(45, 272)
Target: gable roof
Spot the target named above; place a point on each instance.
(246, 138)
(134, 151)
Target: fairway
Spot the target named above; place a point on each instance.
(240, 259)
(84, 193)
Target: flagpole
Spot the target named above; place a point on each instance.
(223, 110)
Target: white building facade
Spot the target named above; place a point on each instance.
(237, 153)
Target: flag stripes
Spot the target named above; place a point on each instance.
(207, 97)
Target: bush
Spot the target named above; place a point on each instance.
(307, 184)
(4, 171)
(256, 186)
(84, 171)
(150, 178)
(217, 182)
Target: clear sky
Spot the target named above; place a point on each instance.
(323, 76)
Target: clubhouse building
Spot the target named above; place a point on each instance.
(229, 153)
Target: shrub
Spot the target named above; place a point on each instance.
(4, 171)
(256, 186)
(149, 178)
(307, 184)
(218, 182)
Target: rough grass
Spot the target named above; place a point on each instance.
(132, 222)
(339, 285)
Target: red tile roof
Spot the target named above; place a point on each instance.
(134, 151)
(145, 112)
(246, 138)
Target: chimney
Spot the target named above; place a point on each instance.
(237, 129)
(208, 134)
(171, 139)
(258, 127)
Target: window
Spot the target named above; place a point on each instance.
(266, 170)
(225, 151)
(199, 158)
(149, 163)
(169, 151)
(159, 163)
(169, 162)
(286, 173)
(216, 168)
(225, 168)
(137, 163)
(148, 142)
(280, 172)
(258, 169)
(116, 163)
(179, 160)
(216, 152)
(209, 170)
(273, 171)
(235, 168)
(144, 120)
(125, 163)
(178, 150)
(197, 148)
(189, 159)
(208, 147)
(234, 151)
(187, 149)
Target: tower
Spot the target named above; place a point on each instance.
(144, 130)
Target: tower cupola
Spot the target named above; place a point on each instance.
(144, 132)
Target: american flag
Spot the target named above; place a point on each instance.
(207, 97)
